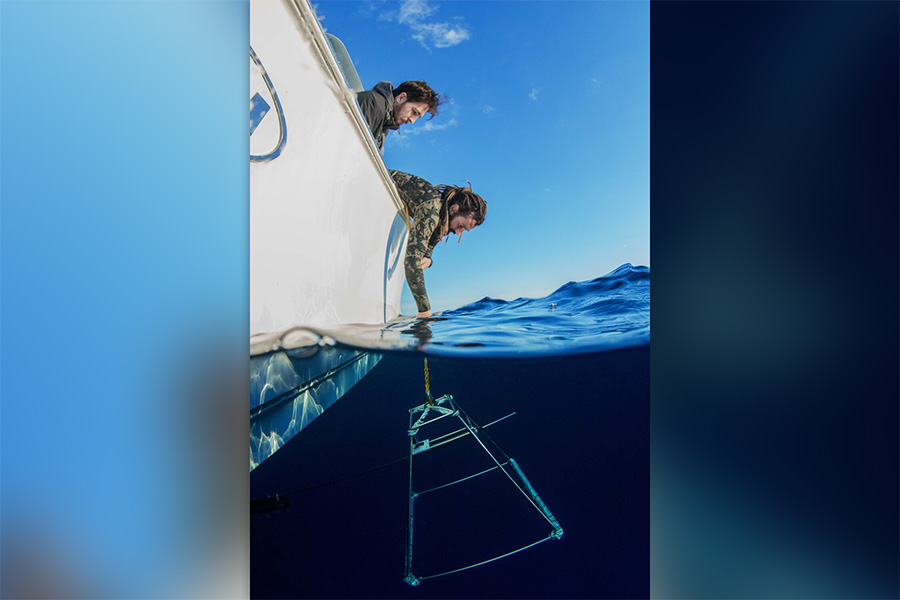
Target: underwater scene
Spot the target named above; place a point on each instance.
(499, 450)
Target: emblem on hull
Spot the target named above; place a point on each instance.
(267, 135)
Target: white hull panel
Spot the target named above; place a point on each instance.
(327, 228)
(327, 231)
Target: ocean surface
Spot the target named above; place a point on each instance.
(609, 312)
(568, 374)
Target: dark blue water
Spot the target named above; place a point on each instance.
(574, 367)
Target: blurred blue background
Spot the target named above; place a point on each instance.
(124, 286)
(123, 247)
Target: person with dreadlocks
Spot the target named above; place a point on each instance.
(436, 211)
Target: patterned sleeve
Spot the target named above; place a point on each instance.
(427, 202)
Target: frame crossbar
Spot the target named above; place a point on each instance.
(434, 410)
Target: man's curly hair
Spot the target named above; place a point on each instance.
(419, 91)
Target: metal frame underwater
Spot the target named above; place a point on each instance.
(427, 414)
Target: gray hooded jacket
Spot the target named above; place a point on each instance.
(377, 106)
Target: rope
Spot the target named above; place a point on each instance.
(406, 212)
(428, 385)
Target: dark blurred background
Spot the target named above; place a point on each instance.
(774, 211)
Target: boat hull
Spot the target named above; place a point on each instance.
(327, 228)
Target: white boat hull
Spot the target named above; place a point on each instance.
(327, 228)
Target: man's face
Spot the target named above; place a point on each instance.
(407, 112)
(461, 223)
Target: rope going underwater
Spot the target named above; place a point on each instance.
(428, 385)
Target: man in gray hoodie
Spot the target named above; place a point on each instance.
(386, 108)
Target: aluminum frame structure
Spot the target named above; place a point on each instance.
(427, 414)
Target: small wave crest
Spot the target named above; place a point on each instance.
(606, 313)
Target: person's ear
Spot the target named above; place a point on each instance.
(399, 98)
(454, 208)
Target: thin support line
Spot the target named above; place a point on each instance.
(446, 435)
(484, 562)
(510, 477)
(458, 437)
(418, 424)
(409, 524)
(497, 446)
(457, 481)
(440, 437)
(498, 420)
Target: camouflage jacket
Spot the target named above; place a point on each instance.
(423, 201)
(377, 106)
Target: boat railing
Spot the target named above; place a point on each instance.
(351, 77)
(345, 88)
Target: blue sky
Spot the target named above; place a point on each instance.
(547, 114)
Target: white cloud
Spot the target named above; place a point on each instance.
(416, 14)
(439, 35)
(487, 109)
(534, 93)
(429, 126)
(401, 139)
(412, 11)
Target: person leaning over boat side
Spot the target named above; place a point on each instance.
(436, 211)
(386, 108)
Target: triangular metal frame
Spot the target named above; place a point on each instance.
(434, 410)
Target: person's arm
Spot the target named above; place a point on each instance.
(419, 235)
(427, 261)
(427, 201)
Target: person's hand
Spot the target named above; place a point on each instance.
(425, 262)
(424, 314)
